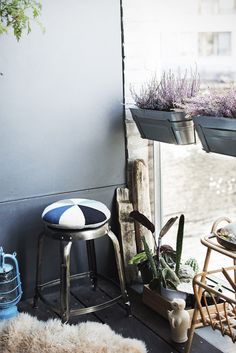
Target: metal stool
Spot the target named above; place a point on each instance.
(66, 238)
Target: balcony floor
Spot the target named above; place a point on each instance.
(145, 324)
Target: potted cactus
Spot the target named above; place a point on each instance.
(214, 116)
(156, 115)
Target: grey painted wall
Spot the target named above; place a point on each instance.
(61, 120)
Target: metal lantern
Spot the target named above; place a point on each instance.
(10, 285)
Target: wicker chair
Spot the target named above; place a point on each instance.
(223, 317)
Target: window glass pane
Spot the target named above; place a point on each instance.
(226, 6)
(214, 7)
(224, 43)
(206, 44)
(208, 7)
(178, 44)
(214, 43)
(193, 33)
(201, 186)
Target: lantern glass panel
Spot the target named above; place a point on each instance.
(8, 287)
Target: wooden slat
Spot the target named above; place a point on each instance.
(117, 319)
(145, 324)
(157, 323)
(161, 305)
(124, 207)
(161, 325)
(141, 201)
(44, 313)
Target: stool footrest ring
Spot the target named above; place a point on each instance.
(91, 309)
(66, 239)
(57, 281)
(81, 311)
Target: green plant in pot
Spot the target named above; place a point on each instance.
(140, 260)
(170, 277)
(143, 260)
(156, 115)
(179, 277)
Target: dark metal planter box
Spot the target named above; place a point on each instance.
(217, 135)
(169, 127)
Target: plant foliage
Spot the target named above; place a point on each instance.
(172, 89)
(179, 243)
(138, 258)
(193, 263)
(150, 257)
(18, 14)
(165, 263)
(218, 103)
(169, 277)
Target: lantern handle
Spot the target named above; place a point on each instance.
(1, 257)
(13, 258)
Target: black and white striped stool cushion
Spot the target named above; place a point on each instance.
(76, 214)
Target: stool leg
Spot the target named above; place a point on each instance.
(120, 268)
(92, 262)
(188, 345)
(234, 260)
(65, 248)
(38, 281)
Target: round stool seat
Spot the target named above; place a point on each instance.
(76, 214)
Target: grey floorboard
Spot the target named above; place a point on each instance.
(145, 324)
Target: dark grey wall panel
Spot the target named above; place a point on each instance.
(61, 120)
(61, 102)
(21, 223)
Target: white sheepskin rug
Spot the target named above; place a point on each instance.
(26, 334)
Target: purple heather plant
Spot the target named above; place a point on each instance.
(218, 103)
(170, 91)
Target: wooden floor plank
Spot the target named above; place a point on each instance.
(161, 325)
(156, 322)
(145, 323)
(44, 313)
(117, 319)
